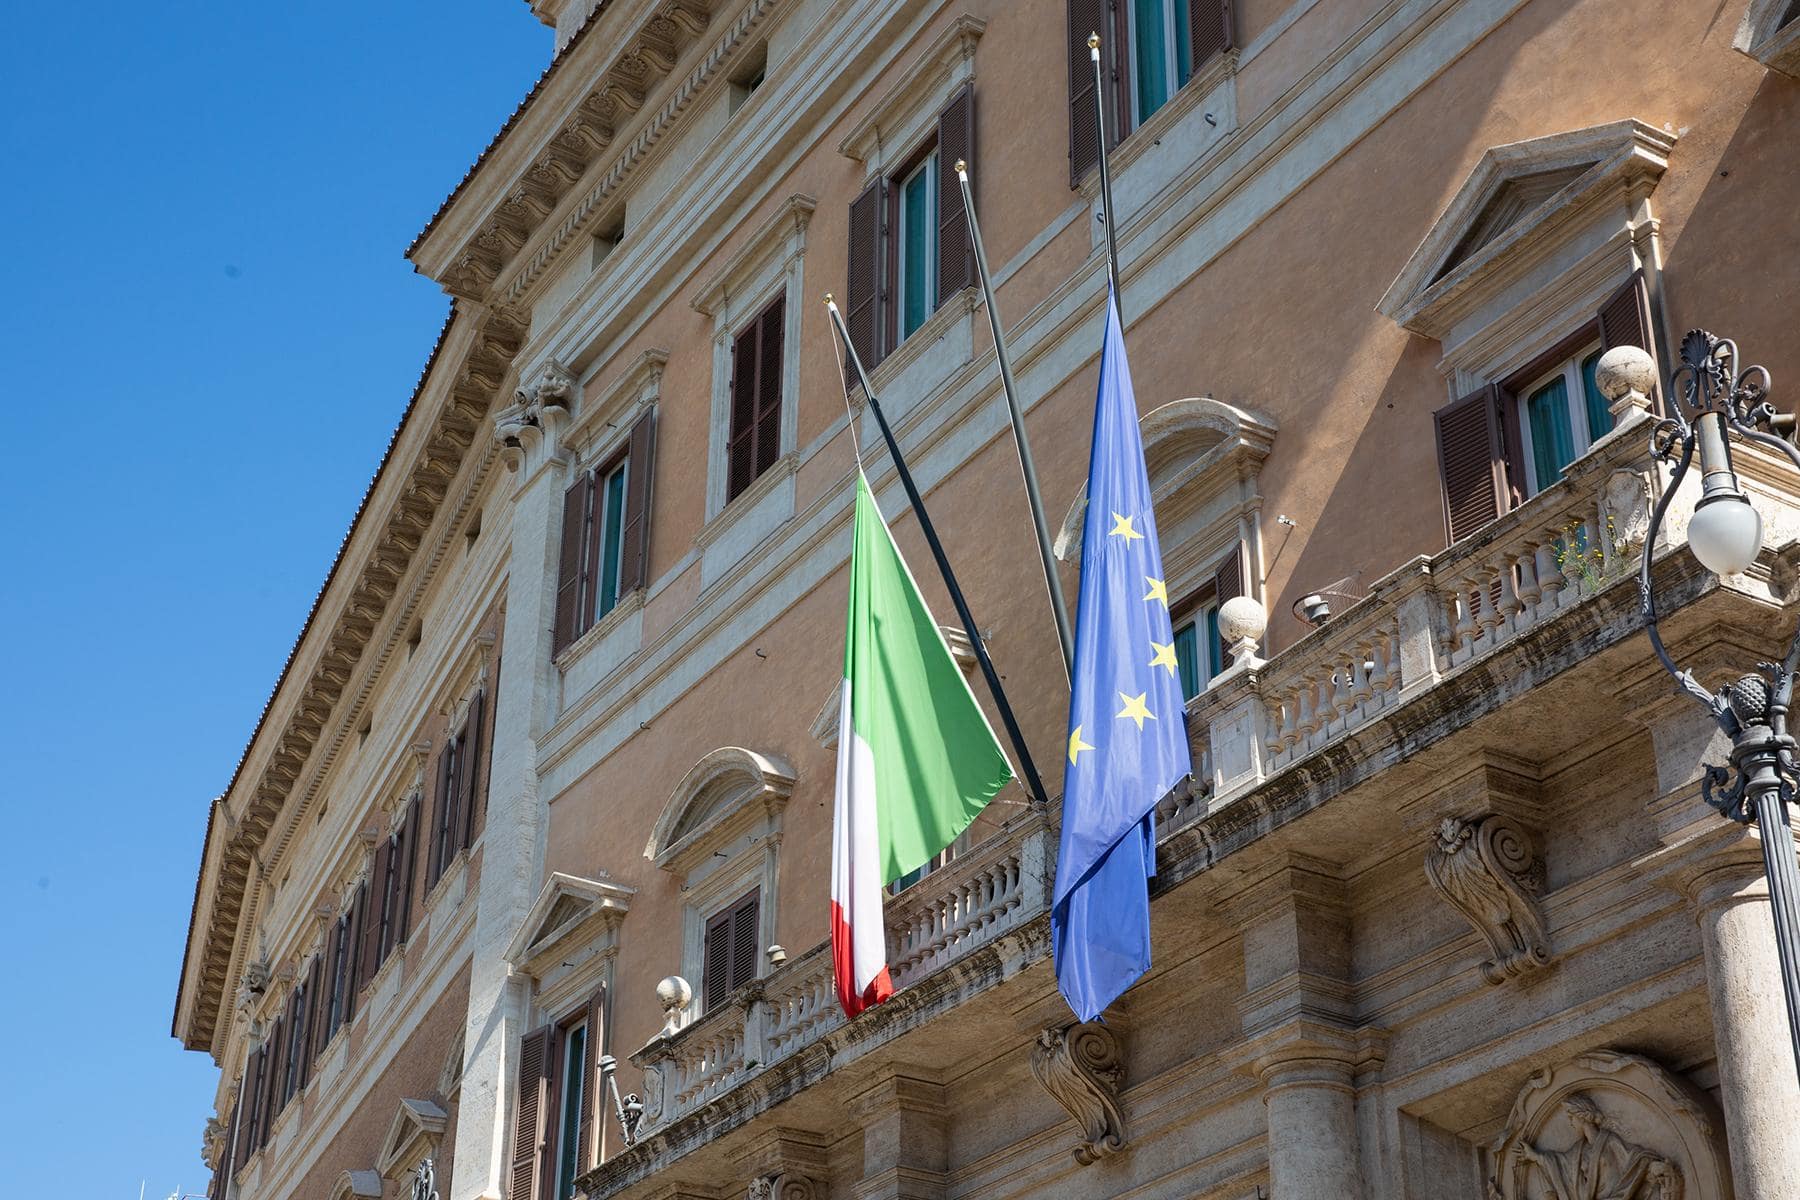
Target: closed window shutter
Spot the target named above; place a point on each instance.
(768, 385)
(568, 569)
(741, 450)
(862, 290)
(956, 140)
(1472, 461)
(634, 534)
(715, 970)
(352, 951)
(592, 1100)
(376, 929)
(315, 1013)
(1228, 580)
(744, 939)
(253, 1080)
(474, 763)
(1625, 321)
(443, 805)
(272, 1078)
(529, 1174)
(409, 854)
(1209, 29)
(1085, 17)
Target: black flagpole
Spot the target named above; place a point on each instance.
(992, 676)
(1106, 203)
(1057, 605)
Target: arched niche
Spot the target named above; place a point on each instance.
(1203, 456)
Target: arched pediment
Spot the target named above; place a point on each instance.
(724, 793)
(1193, 448)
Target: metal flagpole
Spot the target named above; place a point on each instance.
(1106, 204)
(1026, 465)
(943, 564)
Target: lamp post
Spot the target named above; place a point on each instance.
(1708, 401)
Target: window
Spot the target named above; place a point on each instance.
(1563, 414)
(732, 952)
(571, 1116)
(340, 965)
(1199, 653)
(460, 787)
(603, 542)
(748, 77)
(1509, 440)
(909, 238)
(756, 398)
(1150, 50)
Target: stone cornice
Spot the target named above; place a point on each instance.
(566, 150)
(950, 56)
(472, 359)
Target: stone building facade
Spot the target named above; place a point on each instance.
(1442, 912)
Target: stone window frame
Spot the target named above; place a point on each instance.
(1762, 35)
(770, 265)
(720, 836)
(1514, 297)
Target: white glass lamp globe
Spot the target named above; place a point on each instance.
(1725, 535)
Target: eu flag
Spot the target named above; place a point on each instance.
(1127, 724)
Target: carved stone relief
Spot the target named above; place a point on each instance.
(1606, 1126)
(1081, 1067)
(1490, 871)
(784, 1186)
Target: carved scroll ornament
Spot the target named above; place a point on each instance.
(785, 1186)
(1490, 871)
(1081, 1068)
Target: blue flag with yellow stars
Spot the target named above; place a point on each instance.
(1127, 724)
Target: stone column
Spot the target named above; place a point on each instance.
(513, 835)
(1302, 1039)
(1757, 1080)
(905, 1149)
(1722, 877)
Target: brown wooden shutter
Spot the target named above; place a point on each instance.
(768, 384)
(375, 935)
(715, 967)
(315, 977)
(1085, 17)
(1228, 579)
(1209, 29)
(1625, 320)
(862, 284)
(956, 140)
(569, 562)
(741, 449)
(409, 855)
(474, 763)
(744, 939)
(272, 1073)
(442, 802)
(533, 1117)
(485, 777)
(640, 475)
(1472, 461)
(253, 1080)
(593, 1098)
(353, 951)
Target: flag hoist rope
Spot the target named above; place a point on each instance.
(1027, 768)
(1106, 203)
(1065, 638)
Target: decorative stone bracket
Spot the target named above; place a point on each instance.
(1081, 1067)
(784, 1186)
(523, 423)
(1489, 869)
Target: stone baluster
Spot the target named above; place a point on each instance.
(1509, 604)
(1549, 577)
(1361, 657)
(1466, 627)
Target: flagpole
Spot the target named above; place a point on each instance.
(1036, 785)
(1106, 201)
(1058, 605)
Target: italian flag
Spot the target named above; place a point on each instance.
(917, 759)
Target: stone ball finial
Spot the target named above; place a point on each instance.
(1625, 371)
(673, 994)
(1242, 623)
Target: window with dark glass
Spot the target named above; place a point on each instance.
(604, 534)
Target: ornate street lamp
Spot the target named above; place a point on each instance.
(424, 1185)
(1708, 400)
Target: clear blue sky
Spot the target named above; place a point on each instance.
(209, 333)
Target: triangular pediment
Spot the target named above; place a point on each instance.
(411, 1136)
(1520, 204)
(567, 906)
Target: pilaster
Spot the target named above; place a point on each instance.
(905, 1148)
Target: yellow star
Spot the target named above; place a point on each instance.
(1157, 592)
(1122, 528)
(1165, 655)
(1134, 708)
(1076, 745)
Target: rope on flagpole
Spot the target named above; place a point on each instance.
(1058, 606)
(1029, 769)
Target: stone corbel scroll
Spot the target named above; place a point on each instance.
(784, 1186)
(1489, 869)
(1081, 1067)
